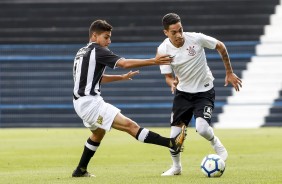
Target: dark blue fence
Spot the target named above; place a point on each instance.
(35, 80)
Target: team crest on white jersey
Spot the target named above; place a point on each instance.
(191, 51)
(207, 112)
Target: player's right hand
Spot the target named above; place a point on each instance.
(163, 59)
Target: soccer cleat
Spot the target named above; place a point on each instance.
(185, 134)
(177, 142)
(172, 171)
(79, 172)
(219, 148)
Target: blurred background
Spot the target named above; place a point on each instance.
(39, 39)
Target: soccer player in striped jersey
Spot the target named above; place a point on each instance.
(191, 79)
(88, 72)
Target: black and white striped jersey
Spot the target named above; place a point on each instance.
(89, 65)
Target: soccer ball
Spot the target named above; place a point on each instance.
(212, 166)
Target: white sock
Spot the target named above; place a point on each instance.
(176, 158)
(204, 129)
(143, 134)
(214, 140)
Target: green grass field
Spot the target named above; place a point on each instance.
(29, 156)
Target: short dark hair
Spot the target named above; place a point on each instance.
(169, 19)
(99, 26)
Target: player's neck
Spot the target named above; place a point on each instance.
(177, 45)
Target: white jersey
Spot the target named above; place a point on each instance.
(189, 63)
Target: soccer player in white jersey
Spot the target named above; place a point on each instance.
(191, 79)
(88, 71)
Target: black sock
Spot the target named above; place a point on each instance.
(144, 135)
(88, 152)
(154, 138)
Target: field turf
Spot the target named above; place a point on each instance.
(49, 155)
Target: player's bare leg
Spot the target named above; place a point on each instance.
(125, 124)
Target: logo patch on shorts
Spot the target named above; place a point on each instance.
(100, 120)
(207, 112)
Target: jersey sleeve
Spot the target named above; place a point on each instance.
(165, 69)
(207, 41)
(106, 57)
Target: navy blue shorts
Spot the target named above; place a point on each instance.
(185, 105)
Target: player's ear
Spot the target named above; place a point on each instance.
(165, 32)
(94, 34)
(91, 36)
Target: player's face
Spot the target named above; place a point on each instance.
(103, 39)
(175, 34)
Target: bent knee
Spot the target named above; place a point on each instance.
(130, 126)
(204, 129)
(202, 126)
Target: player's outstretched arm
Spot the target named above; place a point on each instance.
(230, 76)
(133, 63)
(113, 78)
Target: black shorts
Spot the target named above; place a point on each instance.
(185, 105)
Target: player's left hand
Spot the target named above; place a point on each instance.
(173, 85)
(129, 75)
(234, 80)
